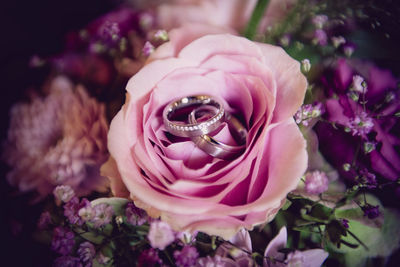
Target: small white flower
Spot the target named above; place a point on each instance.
(63, 193)
(160, 235)
(359, 84)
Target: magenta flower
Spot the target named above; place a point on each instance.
(368, 121)
(57, 140)
(186, 257)
(361, 124)
(149, 258)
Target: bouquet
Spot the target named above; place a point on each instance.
(213, 133)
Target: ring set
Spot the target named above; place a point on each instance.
(197, 117)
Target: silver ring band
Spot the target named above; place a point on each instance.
(191, 129)
(218, 149)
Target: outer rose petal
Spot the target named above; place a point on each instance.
(291, 82)
(110, 170)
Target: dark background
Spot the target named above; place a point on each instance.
(30, 27)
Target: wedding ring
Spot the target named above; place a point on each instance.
(191, 129)
(218, 149)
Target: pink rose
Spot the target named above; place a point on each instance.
(189, 189)
(226, 13)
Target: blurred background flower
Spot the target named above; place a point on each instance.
(57, 140)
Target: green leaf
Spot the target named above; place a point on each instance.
(287, 204)
(354, 212)
(380, 242)
(321, 212)
(117, 203)
(93, 237)
(335, 231)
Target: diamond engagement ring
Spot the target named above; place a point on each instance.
(176, 109)
(215, 148)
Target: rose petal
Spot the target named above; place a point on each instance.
(291, 82)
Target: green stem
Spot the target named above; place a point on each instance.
(255, 19)
(168, 257)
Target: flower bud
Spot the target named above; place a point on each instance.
(305, 65)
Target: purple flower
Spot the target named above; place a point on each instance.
(308, 112)
(72, 208)
(102, 259)
(63, 240)
(345, 223)
(160, 234)
(146, 21)
(109, 32)
(148, 48)
(319, 21)
(87, 212)
(63, 193)
(149, 258)
(44, 220)
(338, 41)
(103, 214)
(113, 25)
(348, 49)
(57, 140)
(87, 252)
(186, 257)
(361, 124)
(370, 211)
(368, 122)
(368, 179)
(358, 84)
(187, 237)
(67, 261)
(215, 261)
(161, 35)
(320, 37)
(134, 215)
(316, 182)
